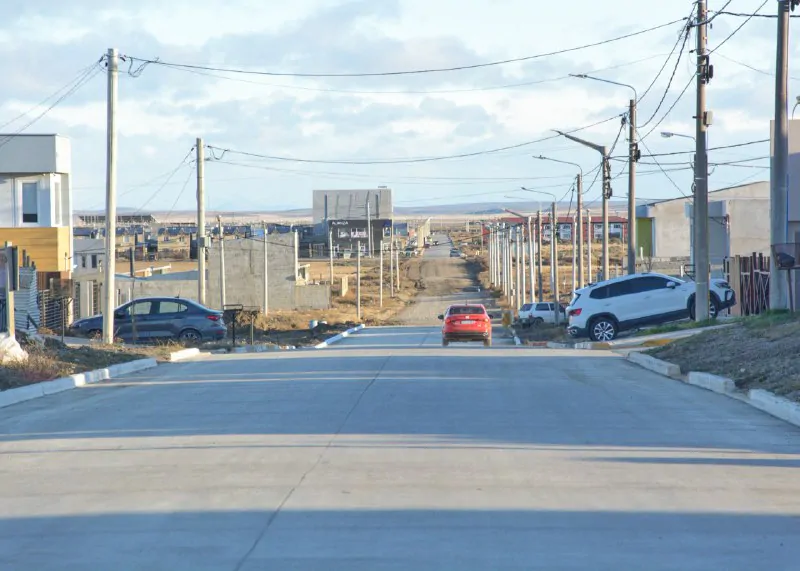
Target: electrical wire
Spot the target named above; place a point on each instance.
(662, 168)
(145, 62)
(674, 104)
(400, 161)
(182, 164)
(685, 36)
(742, 25)
(183, 188)
(719, 148)
(750, 67)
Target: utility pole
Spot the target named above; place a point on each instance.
(701, 257)
(779, 173)
(358, 280)
(531, 254)
(540, 243)
(380, 277)
(579, 227)
(606, 198)
(201, 222)
(554, 262)
(221, 263)
(397, 268)
(589, 238)
(521, 233)
(517, 266)
(330, 261)
(266, 272)
(369, 230)
(391, 267)
(574, 254)
(109, 303)
(633, 156)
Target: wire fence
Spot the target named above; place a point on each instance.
(749, 277)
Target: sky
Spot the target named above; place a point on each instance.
(54, 81)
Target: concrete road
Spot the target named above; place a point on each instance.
(390, 452)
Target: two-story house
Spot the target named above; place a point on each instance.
(36, 199)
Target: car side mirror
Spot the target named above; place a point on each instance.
(440, 317)
(672, 285)
(119, 314)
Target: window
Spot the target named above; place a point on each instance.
(649, 283)
(543, 307)
(30, 202)
(94, 261)
(83, 261)
(464, 310)
(172, 307)
(142, 308)
(599, 293)
(620, 288)
(57, 203)
(527, 307)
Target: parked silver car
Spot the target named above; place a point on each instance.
(154, 318)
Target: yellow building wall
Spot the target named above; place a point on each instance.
(45, 246)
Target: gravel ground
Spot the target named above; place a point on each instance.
(761, 353)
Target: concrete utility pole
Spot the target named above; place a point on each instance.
(369, 230)
(109, 302)
(554, 261)
(574, 254)
(701, 256)
(540, 242)
(221, 263)
(521, 232)
(380, 277)
(201, 221)
(397, 268)
(532, 260)
(330, 260)
(779, 173)
(518, 249)
(358, 280)
(391, 267)
(266, 272)
(607, 193)
(633, 156)
(589, 239)
(579, 227)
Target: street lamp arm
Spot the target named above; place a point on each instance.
(585, 76)
(540, 192)
(543, 158)
(599, 148)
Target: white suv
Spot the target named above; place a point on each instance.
(538, 313)
(600, 311)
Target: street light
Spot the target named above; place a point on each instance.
(553, 252)
(633, 157)
(603, 150)
(579, 221)
(797, 102)
(670, 134)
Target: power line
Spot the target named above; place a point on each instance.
(674, 104)
(400, 161)
(660, 167)
(733, 146)
(666, 61)
(145, 62)
(743, 15)
(750, 67)
(685, 36)
(404, 92)
(183, 188)
(169, 177)
(742, 25)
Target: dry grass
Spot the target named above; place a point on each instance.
(760, 353)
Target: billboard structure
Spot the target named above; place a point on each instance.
(372, 204)
(368, 235)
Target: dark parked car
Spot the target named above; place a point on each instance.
(154, 318)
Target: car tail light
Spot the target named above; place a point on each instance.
(576, 311)
(213, 317)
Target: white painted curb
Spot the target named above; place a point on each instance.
(339, 337)
(711, 382)
(554, 345)
(776, 406)
(655, 365)
(258, 349)
(183, 354)
(517, 340)
(37, 390)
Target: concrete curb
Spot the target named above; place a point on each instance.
(776, 406)
(655, 365)
(772, 404)
(517, 341)
(256, 349)
(711, 382)
(183, 354)
(339, 337)
(554, 345)
(37, 390)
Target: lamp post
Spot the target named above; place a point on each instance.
(603, 150)
(553, 252)
(633, 157)
(579, 208)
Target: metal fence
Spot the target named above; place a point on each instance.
(749, 277)
(53, 310)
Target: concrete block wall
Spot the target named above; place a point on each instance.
(244, 275)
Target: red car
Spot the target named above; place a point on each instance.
(466, 322)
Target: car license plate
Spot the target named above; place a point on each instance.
(467, 322)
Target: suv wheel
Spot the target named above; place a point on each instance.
(603, 329)
(713, 307)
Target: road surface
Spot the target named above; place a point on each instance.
(389, 452)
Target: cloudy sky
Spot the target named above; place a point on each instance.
(50, 47)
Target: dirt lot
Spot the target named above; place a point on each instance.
(760, 353)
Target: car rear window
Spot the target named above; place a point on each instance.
(465, 310)
(526, 307)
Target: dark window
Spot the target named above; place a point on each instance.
(620, 288)
(527, 307)
(172, 307)
(30, 202)
(648, 283)
(543, 307)
(94, 260)
(464, 310)
(599, 293)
